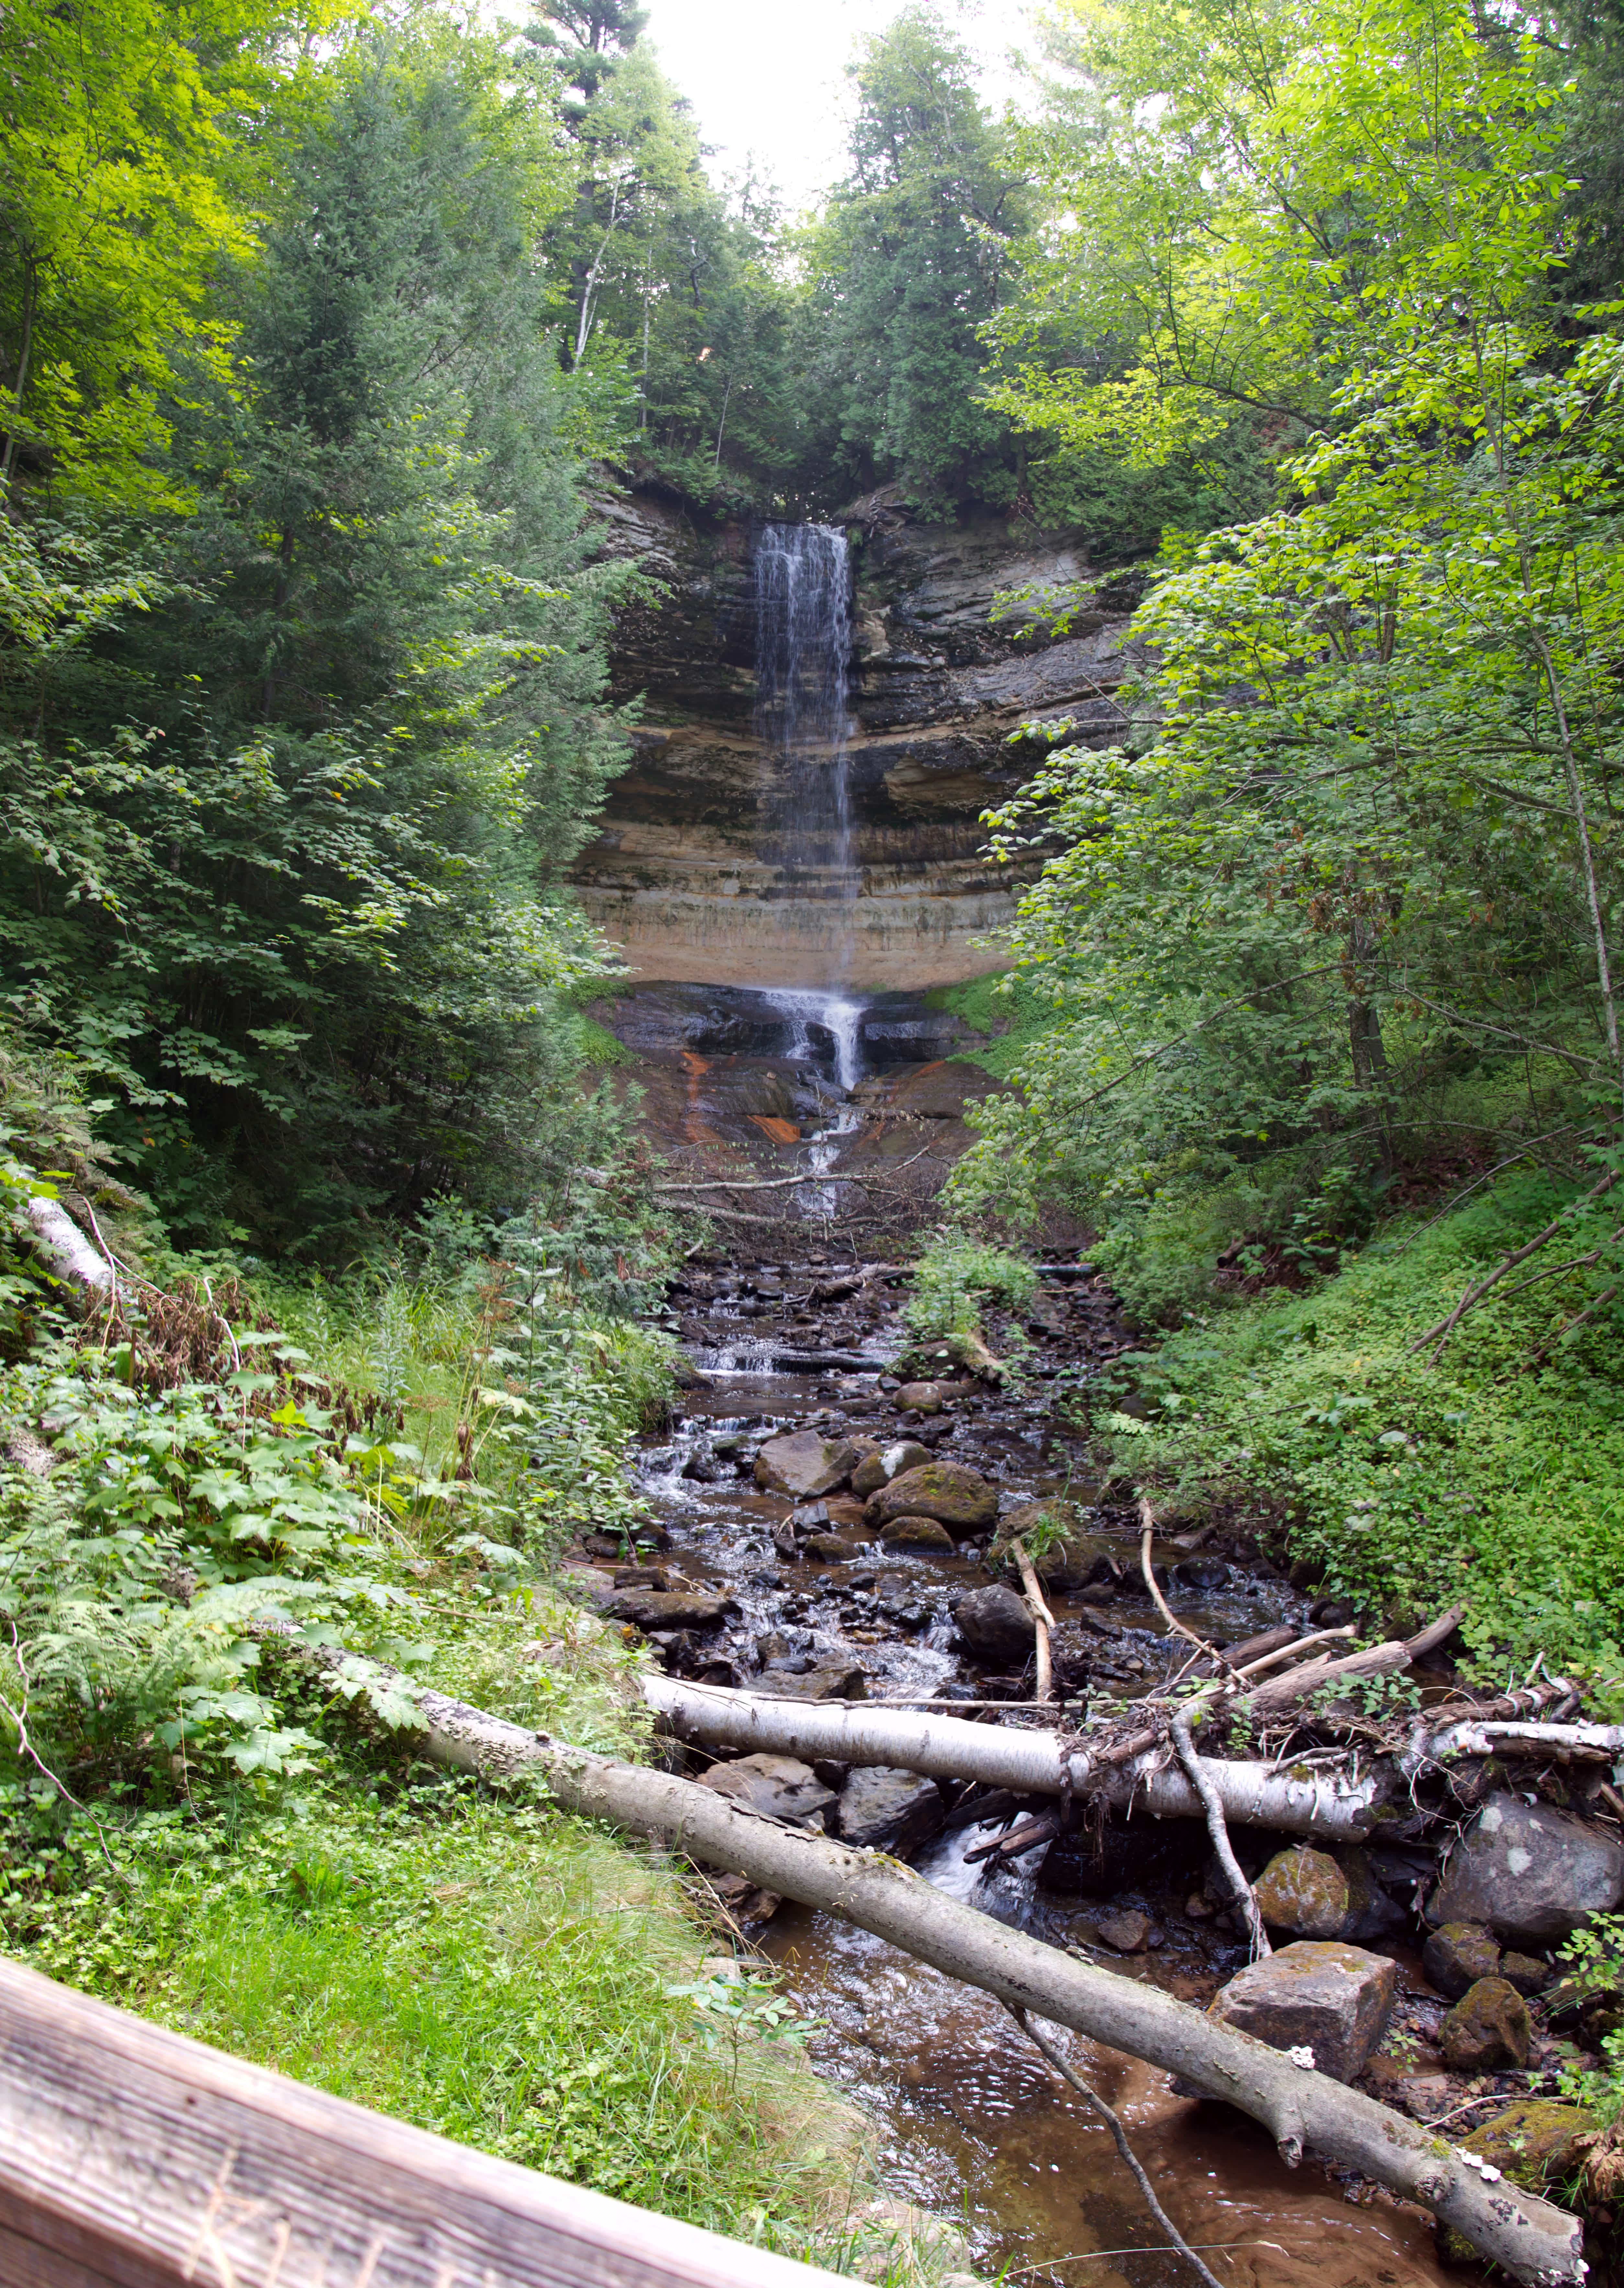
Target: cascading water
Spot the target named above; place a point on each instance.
(803, 648)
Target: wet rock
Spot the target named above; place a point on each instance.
(780, 1786)
(1531, 1873)
(918, 1533)
(1125, 1934)
(1081, 1560)
(771, 1647)
(887, 1810)
(1331, 1998)
(670, 1609)
(1488, 2027)
(839, 1678)
(1072, 1653)
(843, 1511)
(805, 1464)
(919, 1398)
(957, 1497)
(902, 1599)
(703, 1469)
(784, 1541)
(828, 1547)
(869, 1476)
(995, 1625)
(1201, 1573)
(1314, 1896)
(1525, 1972)
(808, 1516)
(905, 1454)
(1456, 1957)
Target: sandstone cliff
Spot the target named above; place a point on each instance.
(690, 874)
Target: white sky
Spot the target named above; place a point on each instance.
(765, 78)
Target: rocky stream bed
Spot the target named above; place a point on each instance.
(827, 1533)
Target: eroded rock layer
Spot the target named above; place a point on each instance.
(693, 874)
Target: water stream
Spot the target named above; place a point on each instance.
(973, 2126)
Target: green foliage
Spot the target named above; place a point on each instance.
(913, 256)
(1006, 1007)
(955, 1280)
(1496, 1474)
(1594, 1958)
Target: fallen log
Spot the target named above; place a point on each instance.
(1601, 1741)
(1279, 1693)
(1301, 2109)
(66, 1249)
(1126, 1772)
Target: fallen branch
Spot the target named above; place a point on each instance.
(1147, 1519)
(1301, 2108)
(1604, 1741)
(1246, 1897)
(1120, 2138)
(1043, 1620)
(1473, 1295)
(1281, 1692)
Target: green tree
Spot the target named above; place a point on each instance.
(1356, 877)
(913, 257)
(285, 863)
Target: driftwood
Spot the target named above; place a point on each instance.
(1043, 1620)
(1253, 1793)
(1301, 2109)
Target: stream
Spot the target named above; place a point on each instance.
(974, 2126)
(792, 1334)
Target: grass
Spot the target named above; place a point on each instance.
(1494, 1476)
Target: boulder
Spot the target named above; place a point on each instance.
(995, 1625)
(805, 1464)
(1532, 2141)
(669, 1609)
(1525, 1972)
(780, 1786)
(903, 1599)
(919, 1398)
(1201, 1573)
(1314, 1896)
(1488, 2027)
(905, 1454)
(1331, 1998)
(918, 1533)
(1458, 1955)
(839, 1678)
(1081, 1560)
(1533, 1875)
(869, 1476)
(887, 1810)
(808, 1516)
(828, 1547)
(784, 1541)
(956, 1496)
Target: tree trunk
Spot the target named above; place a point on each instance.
(1301, 2109)
(1252, 1794)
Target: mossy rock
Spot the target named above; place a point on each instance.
(958, 1498)
(1075, 1561)
(1534, 2143)
(1489, 2027)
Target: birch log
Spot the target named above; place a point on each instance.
(1327, 1804)
(1303, 2109)
(66, 1249)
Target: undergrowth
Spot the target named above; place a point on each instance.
(1495, 1474)
(1004, 1008)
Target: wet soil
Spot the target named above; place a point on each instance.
(976, 2127)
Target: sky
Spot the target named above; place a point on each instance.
(765, 78)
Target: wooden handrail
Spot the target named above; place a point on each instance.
(138, 2158)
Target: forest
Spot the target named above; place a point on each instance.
(333, 1269)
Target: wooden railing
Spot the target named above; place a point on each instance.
(133, 2157)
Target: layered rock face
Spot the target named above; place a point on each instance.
(698, 873)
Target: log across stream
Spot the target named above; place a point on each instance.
(974, 2124)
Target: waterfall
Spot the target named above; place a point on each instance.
(803, 648)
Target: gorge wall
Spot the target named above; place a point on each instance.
(693, 874)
